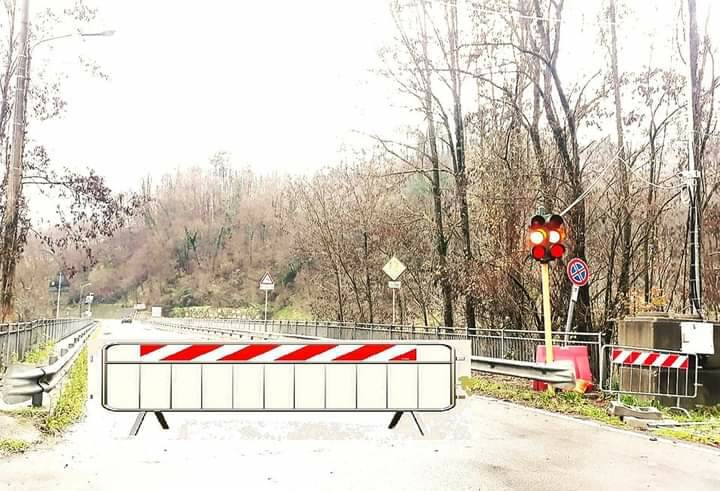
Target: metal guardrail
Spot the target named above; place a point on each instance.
(509, 344)
(553, 373)
(22, 383)
(18, 339)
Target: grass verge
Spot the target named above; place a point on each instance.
(40, 354)
(513, 390)
(573, 403)
(71, 403)
(67, 410)
(11, 446)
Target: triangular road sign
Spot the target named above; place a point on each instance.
(266, 280)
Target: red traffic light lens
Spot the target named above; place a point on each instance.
(557, 251)
(538, 252)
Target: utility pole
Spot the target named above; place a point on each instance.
(694, 170)
(15, 169)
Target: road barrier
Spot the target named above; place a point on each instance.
(18, 339)
(23, 383)
(646, 372)
(280, 376)
(561, 373)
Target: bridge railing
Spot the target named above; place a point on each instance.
(510, 344)
(20, 338)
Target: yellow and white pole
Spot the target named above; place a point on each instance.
(546, 315)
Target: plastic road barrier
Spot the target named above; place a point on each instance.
(248, 376)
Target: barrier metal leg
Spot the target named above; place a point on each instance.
(141, 417)
(417, 423)
(138, 423)
(161, 419)
(396, 419)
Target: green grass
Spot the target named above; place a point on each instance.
(108, 310)
(11, 446)
(71, 403)
(573, 403)
(69, 408)
(209, 312)
(707, 436)
(290, 313)
(36, 415)
(40, 354)
(519, 392)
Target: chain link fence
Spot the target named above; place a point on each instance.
(18, 339)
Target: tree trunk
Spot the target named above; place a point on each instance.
(460, 172)
(623, 288)
(368, 285)
(441, 243)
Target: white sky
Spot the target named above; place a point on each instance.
(280, 84)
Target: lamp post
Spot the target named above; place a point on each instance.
(8, 239)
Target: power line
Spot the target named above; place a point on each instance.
(589, 188)
(649, 183)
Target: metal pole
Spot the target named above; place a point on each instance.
(266, 300)
(57, 310)
(571, 311)
(693, 176)
(393, 306)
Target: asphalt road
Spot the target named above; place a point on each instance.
(482, 444)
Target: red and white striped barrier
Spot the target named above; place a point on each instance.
(274, 352)
(649, 359)
(277, 376)
(648, 372)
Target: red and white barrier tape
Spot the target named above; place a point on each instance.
(277, 352)
(649, 359)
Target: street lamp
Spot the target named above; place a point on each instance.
(55, 38)
(80, 34)
(80, 301)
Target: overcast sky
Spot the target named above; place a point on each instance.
(280, 84)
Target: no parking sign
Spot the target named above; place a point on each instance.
(578, 272)
(579, 275)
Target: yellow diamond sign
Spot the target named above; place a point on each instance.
(394, 268)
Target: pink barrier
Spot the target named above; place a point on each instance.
(580, 358)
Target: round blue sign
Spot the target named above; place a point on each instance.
(578, 272)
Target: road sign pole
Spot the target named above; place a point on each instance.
(571, 311)
(393, 306)
(266, 298)
(545, 268)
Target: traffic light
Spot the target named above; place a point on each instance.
(546, 237)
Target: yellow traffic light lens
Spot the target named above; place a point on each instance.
(554, 236)
(537, 237)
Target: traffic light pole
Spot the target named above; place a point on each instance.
(545, 268)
